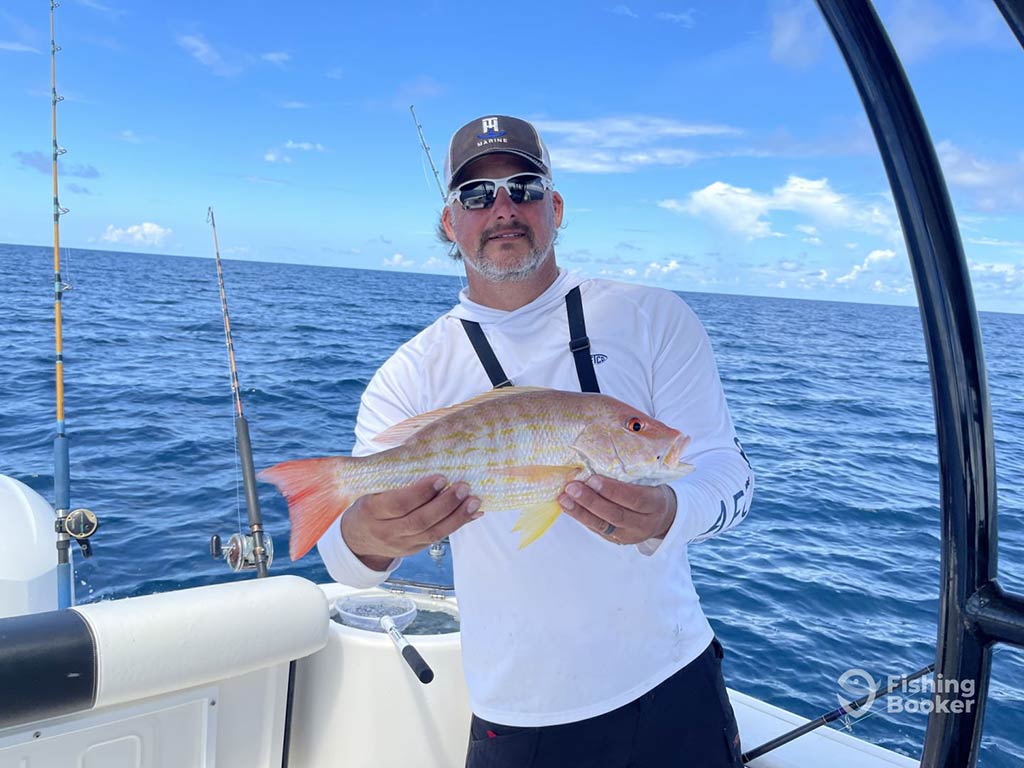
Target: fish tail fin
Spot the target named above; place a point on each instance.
(316, 497)
(535, 520)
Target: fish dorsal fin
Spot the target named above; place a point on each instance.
(398, 433)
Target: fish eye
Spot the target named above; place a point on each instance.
(634, 424)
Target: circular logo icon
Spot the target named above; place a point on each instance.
(857, 682)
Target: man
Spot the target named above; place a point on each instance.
(588, 647)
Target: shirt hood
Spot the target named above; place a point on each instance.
(555, 294)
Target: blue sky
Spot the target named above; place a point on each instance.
(701, 146)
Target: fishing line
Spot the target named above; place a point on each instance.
(437, 176)
(237, 475)
(234, 444)
(423, 168)
(69, 283)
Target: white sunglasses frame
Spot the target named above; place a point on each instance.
(499, 184)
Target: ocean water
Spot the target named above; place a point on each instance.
(835, 568)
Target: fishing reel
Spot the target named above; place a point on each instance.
(240, 551)
(80, 524)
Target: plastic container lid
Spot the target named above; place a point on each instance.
(366, 611)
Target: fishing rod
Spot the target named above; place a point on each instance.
(257, 549)
(78, 524)
(426, 149)
(438, 548)
(835, 714)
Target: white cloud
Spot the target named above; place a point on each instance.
(811, 234)
(797, 36)
(813, 196)
(279, 154)
(274, 156)
(625, 272)
(434, 263)
(745, 211)
(684, 19)
(586, 161)
(661, 270)
(962, 168)
(873, 258)
(737, 208)
(146, 233)
(999, 275)
(661, 157)
(879, 286)
(280, 58)
(264, 180)
(419, 88)
(399, 260)
(96, 6)
(304, 146)
(813, 281)
(201, 50)
(130, 136)
(17, 47)
(919, 28)
(993, 185)
(294, 105)
(624, 10)
(623, 144)
(996, 243)
(627, 131)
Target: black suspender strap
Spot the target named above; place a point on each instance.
(579, 343)
(487, 358)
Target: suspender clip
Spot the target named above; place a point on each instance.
(581, 344)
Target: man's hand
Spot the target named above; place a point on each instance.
(382, 526)
(622, 513)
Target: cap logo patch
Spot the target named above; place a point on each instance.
(489, 128)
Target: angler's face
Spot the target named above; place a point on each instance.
(507, 241)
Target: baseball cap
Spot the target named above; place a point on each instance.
(496, 133)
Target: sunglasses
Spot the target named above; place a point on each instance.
(477, 194)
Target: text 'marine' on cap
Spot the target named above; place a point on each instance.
(497, 133)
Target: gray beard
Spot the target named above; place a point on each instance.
(510, 274)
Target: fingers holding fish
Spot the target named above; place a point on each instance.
(623, 513)
(467, 511)
(453, 506)
(398, 503)
(404, 521)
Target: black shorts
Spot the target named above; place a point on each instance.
(685, 721)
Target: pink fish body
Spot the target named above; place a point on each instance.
(515, 447)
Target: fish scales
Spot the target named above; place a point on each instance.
(516, 448)
(475, 446)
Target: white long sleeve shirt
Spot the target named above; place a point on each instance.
(572, 626)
